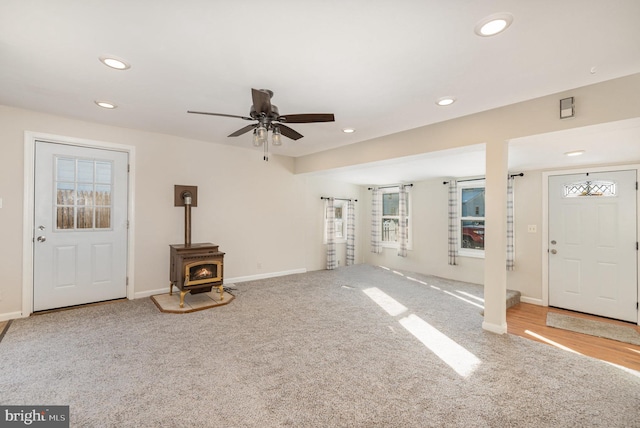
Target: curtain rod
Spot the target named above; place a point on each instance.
(478, 179)
(396, 185)
(339, 199)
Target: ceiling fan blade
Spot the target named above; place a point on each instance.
(243, 130)
(288, 132)
(220, 114)
(307, 118)
(261, 101)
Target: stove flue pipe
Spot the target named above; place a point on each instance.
(187, 218)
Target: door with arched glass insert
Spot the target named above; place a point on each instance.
(592, 243)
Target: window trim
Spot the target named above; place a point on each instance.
(468, 252)
(390, 244)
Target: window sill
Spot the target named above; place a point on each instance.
(395, 246)
(474, 254)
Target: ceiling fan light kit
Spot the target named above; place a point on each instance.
(268, 119)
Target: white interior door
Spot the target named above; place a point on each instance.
(80, 219)
(592, 243)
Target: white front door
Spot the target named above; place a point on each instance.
(592, 243)
(80, 219)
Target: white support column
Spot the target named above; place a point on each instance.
(495, 273)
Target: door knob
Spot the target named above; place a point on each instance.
(554, 251)
(41, 238)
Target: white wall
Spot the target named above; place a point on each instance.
(428, 254)
(430, 237)
(259, 213)
(321, 187)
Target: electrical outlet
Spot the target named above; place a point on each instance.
(259, 265)
(532, 228)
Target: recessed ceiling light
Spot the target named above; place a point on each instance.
(575, 153)
(348, 130)
(105, 104)
(493, 24)
(113, 62)
(445, 101)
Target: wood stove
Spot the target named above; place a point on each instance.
(196, 268)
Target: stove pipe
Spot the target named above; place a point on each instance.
(187, 218)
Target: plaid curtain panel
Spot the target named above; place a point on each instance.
(376, 221)
(402, 221)
(510, 235)
(453, 222)
(351, 232)
(332, 261)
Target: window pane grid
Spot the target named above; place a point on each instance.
(391, 219)
(472, 218)
(82, 203)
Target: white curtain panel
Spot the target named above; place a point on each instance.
(453, 222)
(376, 221)
(402, 226)
(510, 235)
(351, 232)
(332, 261)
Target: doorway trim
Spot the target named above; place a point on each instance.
(545, 221)
(30, 139)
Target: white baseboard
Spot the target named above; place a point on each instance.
(227, 281)
(531, 300)
(494, 328)
(149, 293)
(10, 316)
(264, 275)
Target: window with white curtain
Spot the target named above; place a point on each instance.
(340, 208)
(391, 217)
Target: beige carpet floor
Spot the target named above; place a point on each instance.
(360, 346)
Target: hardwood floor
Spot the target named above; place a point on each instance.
(529, 321)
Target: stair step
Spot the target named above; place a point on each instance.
(513, 298)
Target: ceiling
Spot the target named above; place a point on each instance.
(379, 66)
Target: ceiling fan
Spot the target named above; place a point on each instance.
(268, 119)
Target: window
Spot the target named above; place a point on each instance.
(83, 194)
(391, 217)
(590, 188)
(471, 212)
(340, 221)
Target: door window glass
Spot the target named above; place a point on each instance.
(590, 188)
(83, 194)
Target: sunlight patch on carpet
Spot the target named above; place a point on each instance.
(454, 355)
(386, 302)
(463, 299)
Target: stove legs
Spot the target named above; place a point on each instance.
(182, 293)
